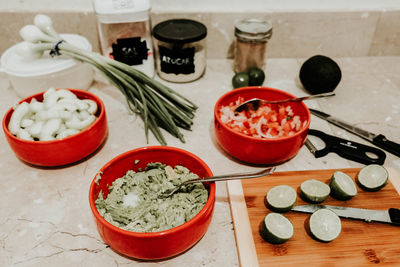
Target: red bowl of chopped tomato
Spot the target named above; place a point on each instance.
(272, 134)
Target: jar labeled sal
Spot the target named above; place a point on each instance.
(180, 50)
(125, 34)
(250, 47)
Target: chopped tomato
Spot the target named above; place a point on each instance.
(268, 121)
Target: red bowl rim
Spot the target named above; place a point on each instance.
(14, 138)
(235, 91)
(209, 204)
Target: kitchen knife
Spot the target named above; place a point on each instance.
(377, 139)
(391, 215)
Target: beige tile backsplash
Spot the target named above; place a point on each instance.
(295, 34)
(64, 22)
(386, 39)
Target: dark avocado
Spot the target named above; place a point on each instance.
(256, 76)
(320, 74)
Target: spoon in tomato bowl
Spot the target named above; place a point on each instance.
(254, 103)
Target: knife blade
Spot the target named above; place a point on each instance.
(391, 216)
(377, 139)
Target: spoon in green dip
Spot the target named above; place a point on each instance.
(169, 192)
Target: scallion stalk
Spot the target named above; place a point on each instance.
(158, 105)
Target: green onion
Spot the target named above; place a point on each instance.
(157, 105)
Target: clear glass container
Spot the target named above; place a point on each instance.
(125, 32)
(250, 46)
(180, 50)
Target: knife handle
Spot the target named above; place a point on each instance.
(382, 142)
(394, 216)
(348, 149)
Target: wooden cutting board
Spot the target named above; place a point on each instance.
(359, 244)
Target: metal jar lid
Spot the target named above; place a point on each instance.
(122, 11)
(253, 29)
(180, 31)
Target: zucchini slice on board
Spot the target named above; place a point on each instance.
(372, 177)
(325, 225)
(342, 186)
(281, 198)
(314, 191)
(276, 228)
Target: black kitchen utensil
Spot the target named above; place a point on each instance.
(346, 149)
(377, 139)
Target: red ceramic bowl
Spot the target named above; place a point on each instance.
(64, 151)
(260, 150)
(157, 245)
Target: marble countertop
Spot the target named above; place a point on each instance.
(45, 217)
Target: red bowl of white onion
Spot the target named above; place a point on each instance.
(56, 127)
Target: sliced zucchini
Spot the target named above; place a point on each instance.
(314, 191)
(281, 198)
(372, 177)
(276, 228)
(342, 186)
(325, 225)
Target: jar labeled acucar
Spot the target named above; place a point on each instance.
(180, 50)
(250, 50)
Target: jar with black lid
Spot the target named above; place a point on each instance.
(180, 50)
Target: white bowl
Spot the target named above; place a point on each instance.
(31, 77)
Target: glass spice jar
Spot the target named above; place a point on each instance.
(125, 33)
(250, 45)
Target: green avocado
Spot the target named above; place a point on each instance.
(320, 74)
